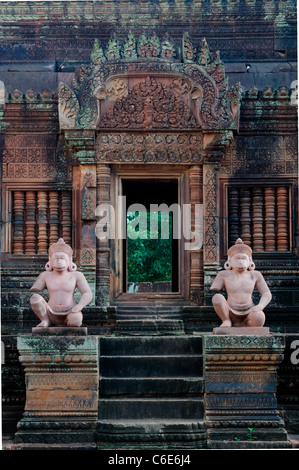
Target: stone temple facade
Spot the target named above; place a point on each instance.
(184, 102)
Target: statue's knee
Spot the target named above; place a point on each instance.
(35, 299)
(74, 320)
(217, 300)
(259, 319)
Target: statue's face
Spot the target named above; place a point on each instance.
(60, 261)
(240, 261)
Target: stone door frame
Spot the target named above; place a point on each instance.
(130, 172)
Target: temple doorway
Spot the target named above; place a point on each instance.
(151, 246)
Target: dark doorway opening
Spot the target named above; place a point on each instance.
(150, 249)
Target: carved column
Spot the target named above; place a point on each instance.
(233, 217)
(66, 216)
(282, 219)
(103, 246)
(30, 223)
(270, 221)
(53, 216)
(42, 222)
(258, 219)
(245, 219)
(18, 222)
(196, 256)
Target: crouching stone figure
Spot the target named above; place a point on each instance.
(239, 280)
(60, 279)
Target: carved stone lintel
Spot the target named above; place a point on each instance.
(149, 148)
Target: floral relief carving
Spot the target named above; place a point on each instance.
(149, 104)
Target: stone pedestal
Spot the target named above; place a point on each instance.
(61, 391)
(246, 330)
(240, 391)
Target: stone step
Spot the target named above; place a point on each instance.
(149, 433)
(144, 345)
(151, 366)
(151, 408)
(154, 385)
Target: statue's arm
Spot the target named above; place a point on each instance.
(263, 289)
(85, 290)
(218, 283)
(40, 283)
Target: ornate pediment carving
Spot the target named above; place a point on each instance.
(154, 83)
(150, 104)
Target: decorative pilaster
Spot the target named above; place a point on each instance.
(88, 223)
(61, 374)
(103, 246)
(211, 216)
(240, 391)
(196, 256)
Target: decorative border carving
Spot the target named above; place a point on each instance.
(149, 148)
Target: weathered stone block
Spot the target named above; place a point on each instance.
(240, 391)
(61, 390)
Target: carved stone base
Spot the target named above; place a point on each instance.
(61, 406)
(240, 392)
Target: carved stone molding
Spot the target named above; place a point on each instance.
(150, 148)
